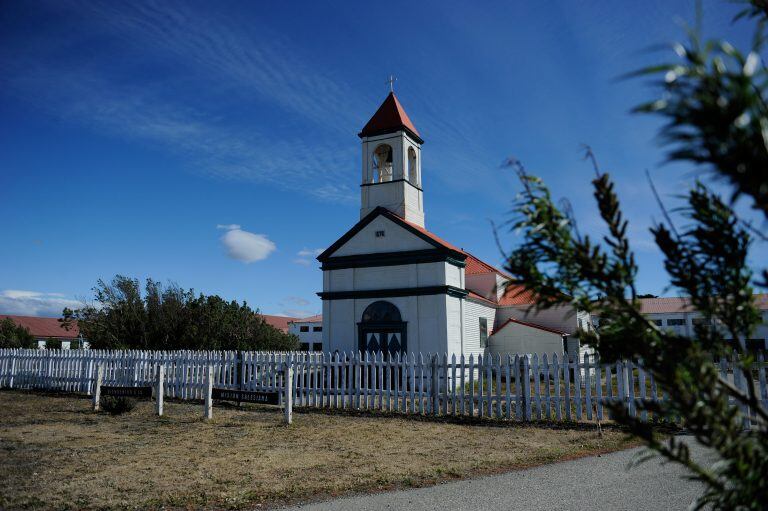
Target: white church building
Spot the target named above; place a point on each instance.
(391, 285)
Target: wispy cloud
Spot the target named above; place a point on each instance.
(296, 307)
(249, 59)
(213, 56)
(296, 300)
(306, 256)
(245, 246)
(34, 303)
(297, 313)
(306, 252)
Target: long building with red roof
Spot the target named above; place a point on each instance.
(279, 322)
(392, 285)
(678, 314)
(46, 329)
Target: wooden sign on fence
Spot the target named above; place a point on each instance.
(140, 392)
(251, 396)
(247, 396)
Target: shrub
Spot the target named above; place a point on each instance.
(117, 405)
(15, 336)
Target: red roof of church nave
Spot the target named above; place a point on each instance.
(516, 294)
(477, 267)
(434, 237)
(531, 325)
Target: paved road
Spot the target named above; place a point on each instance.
(595, 483)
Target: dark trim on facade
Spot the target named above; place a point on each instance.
(395, 219)
(393, 181)
(389, 293)
(391, 259)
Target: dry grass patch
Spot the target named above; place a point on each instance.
(56, 453)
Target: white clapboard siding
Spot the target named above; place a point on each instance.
(519, 387)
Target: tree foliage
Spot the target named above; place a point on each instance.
(171, 318)
(14, 336)
(713, 100)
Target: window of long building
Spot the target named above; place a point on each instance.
(483, 332)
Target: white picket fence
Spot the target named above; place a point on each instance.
(519, 387)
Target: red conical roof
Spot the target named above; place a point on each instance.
(390, 117)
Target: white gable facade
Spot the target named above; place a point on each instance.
(390, 285)
(384, 260)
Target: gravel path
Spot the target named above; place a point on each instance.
(595, 483)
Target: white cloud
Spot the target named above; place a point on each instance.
(307, 255)
(306, 252)
(228, 227)
(246, 246)
(34, 303)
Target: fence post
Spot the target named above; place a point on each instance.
(88, 373)
(526, 377)
(240, 372)
(97, 389)
(209, 392)
(48, 369)
(160, 392)
(358, 379)
(435, 390)
(13, 371)
(288, 393)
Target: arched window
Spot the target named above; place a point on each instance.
(382, 164)
(381, 312)
(382, 329)
(413, 169)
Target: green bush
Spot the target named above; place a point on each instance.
(15, 336)
(117, 405)
(171, 318)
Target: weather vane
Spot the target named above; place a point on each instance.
(391, 83)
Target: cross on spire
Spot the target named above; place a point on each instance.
(391, 83)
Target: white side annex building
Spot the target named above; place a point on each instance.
(391, 285)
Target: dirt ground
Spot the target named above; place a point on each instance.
(55, 453)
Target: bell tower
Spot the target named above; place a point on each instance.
(392, 163)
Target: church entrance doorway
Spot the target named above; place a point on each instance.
(382, 329)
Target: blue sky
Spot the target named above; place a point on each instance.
(214, 143)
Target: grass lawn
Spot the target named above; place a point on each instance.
(55, 453)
